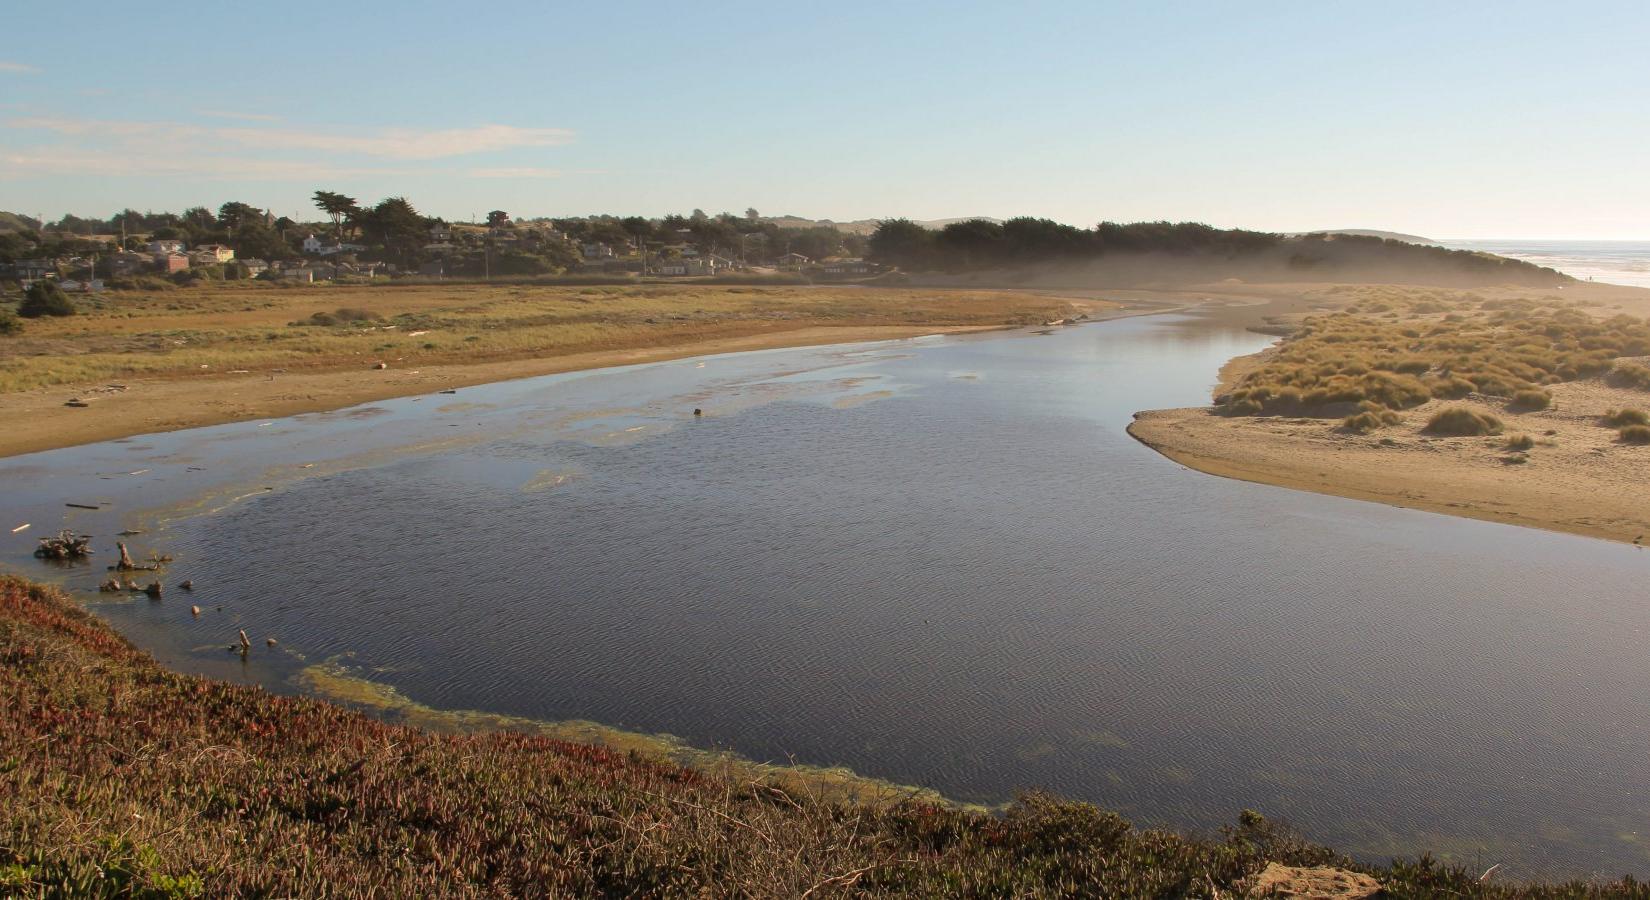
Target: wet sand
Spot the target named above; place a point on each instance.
(38, 419)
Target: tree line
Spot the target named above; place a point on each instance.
(1026, 241)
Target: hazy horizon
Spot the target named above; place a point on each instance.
(1473, 122)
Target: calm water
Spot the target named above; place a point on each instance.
(940, 562)
(1615, 262)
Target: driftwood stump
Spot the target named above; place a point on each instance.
(67, 545)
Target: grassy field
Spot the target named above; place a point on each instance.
(119, 778)
(260, 327)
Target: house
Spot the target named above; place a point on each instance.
(31, 269)
(441, 233)
(436, 268)
(692, 266)
(169, 263)
(301, 274)
(360, 269)
(218, 252)
(312, 244)
(124, 263)
(847, 266)
(335, 249)
(86, 285)
(157, 248)
(793, 261)
(252, 268)
(598, 251)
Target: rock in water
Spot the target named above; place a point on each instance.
(1325, 882)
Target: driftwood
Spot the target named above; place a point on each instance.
(126, 565)
(246, 645)
(67, 545)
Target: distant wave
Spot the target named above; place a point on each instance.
(1615, 262)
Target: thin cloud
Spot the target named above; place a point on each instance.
(516, 172)
(18, 68)
(403, 144)
(117, 164)
(239, 116)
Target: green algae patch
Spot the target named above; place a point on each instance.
(335, 682)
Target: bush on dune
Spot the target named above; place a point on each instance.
(1617, 418)
(1630, 375)
(1635, 434)
(1459, 421)
(1531, 399)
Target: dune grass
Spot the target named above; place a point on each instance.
(1635, 434)
(1616, 418)
(221, 326)
(1459, 421)
(1396, 349)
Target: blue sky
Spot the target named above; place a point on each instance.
(1453, 120)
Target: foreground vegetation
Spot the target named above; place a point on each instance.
(119, 778)
(261, 327)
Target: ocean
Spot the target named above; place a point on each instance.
(1615, 262)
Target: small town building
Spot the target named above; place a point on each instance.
(793, 261)
(157, 248)
(169, 263)
(847, 266)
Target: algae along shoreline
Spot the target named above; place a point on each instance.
(121, 778)
(1343, 405)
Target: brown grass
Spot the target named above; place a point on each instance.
(233, 326)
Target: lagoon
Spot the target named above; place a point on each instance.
(940, 562)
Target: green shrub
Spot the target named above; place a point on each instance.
(45, 298)
(1618, 418)
(1459, 421)
(1520, 442)
(9, 323)
(1635, 434)
(1530, 398)
(340, 316)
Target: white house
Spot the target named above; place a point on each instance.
(312, 244)
(219, 252)
(162, 248)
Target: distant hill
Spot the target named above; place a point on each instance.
(10, 221)
(1370, 232)
(863, 226)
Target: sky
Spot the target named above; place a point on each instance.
(1454, 120)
